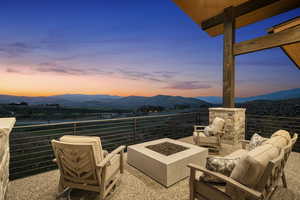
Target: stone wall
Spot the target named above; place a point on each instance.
(234, 123)
(6, 124)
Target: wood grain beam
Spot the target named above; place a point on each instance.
(289, 36)
(228, 59)
(286, 53)
(242, 9)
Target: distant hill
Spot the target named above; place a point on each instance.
(133, 102)
(280, 95)
(4, 99)
(84, 97)
(106, 101)
(288, 107)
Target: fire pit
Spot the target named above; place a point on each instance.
(165, 160)
(167, 148)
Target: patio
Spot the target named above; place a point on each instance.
(136, 185)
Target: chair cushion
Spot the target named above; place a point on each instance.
(211, 139)
(237, 154)
(279, 139)
(250, 167)
(208, 131)
(197, 135)
(255, 141)
(95, 141)
(217, 125)
(221, 165)
(282, 133)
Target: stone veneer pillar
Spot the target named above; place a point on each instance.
(234, 123)
(6, 125)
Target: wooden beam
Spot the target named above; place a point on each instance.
(286, 53)
(228, 59)
(240, 10)
(289, 36)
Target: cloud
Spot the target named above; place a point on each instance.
(188, 85)
(165, 74)
(13, 70)
(16, 49)
(136, 75)
(57, 68)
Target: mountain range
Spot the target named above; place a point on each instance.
(279, 95)
(106, 101)
(133, 102)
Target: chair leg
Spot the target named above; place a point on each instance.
(60, 185)
(5, 195)
(284, 180)
(191, 184)
(65, 193)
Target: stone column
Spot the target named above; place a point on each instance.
(234, 123)
(6, 125)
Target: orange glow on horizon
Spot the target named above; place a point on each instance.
(47, 84)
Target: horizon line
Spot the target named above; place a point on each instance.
(93, 94)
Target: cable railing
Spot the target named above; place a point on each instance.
(31, 150)
(266, 125)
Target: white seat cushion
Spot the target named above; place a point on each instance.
(217, 125)
(197, 135)
(237, 154)
(251, 166)
(211, 139)
(279, 139)
(95, 141)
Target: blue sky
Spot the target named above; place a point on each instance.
(133, 47)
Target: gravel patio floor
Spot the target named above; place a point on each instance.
(138, 186)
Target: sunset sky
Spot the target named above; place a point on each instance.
(127, 47)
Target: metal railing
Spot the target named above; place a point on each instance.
(31, 151)
(266, 125)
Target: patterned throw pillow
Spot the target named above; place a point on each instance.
(255, 141)
(207, 131)
(221, 165)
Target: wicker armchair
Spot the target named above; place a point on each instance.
(213, 140)
(83, 165)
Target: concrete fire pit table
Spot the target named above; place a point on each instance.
(165, 169)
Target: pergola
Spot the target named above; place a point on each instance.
(218, 17)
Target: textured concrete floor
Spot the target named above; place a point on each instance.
(136, 185)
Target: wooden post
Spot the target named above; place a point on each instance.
(228, 59)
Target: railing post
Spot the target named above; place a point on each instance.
(74, 129)
(134, 130)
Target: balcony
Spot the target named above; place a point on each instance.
(34, 176)
(136, 185)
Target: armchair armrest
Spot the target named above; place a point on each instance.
(228, 180)
(199, 128)
(244, 143)
(108, 158)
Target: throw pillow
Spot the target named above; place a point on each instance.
(221, 165)
(207, 131)
(255, 141)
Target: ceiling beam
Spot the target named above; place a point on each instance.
(288, 55)
(242, 9)
(289, 36)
